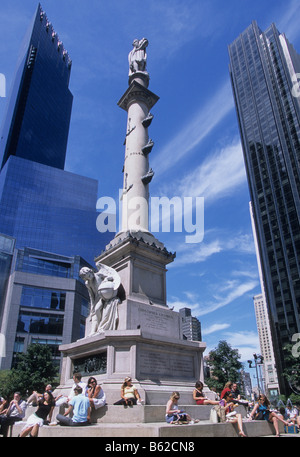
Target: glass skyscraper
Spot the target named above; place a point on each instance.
(43, 206)
(47, 215)
(263, 67)
(36, 123)
(50, 209)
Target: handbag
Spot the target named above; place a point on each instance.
(217, 414)
(259, 416)
(291, 429)
(214, 416)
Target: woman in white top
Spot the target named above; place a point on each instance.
(95, 394)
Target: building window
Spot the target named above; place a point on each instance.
(48, 324)
(19, 344)
(30, 264)
(35, 297)
(53, 344)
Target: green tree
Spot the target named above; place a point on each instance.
(224, 365)
(32, 371)
(5, 389)
(292, 371)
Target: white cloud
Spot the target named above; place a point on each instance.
(242, 338)
(220, 300)
(247, 343)
(188, 253)
(289, 22)
(195, 130)
(214, 328)
(235, 290)
(172, 31)
(217, 176)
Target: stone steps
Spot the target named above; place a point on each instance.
(145, 413)
(203, 429)
(138, 413)
(147, 421)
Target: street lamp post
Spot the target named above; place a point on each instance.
(257, 363)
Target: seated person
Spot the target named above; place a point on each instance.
(292, 415)
(129, 394)
(261, 411)
(174, 415)
(38, 418)
(80, 408)
(63, 400)
(15, 412)
(95, 393)
(199, 397)
(231, 416)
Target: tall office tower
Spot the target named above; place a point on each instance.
(190, 326)
(50, 209)
(36, 122)
(263, 326)
(43, 206)
(266, 345)
(263, 67)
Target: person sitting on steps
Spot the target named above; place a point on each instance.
(129, 394)
(199, 397)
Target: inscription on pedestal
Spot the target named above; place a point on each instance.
(156, 320)
(167, 365)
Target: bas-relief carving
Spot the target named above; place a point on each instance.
(91, 365)
(102, 287)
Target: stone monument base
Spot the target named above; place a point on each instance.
(158, 365)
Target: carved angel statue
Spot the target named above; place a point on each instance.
(102, 287)
(138, 57)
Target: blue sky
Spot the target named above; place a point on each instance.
(197, 149)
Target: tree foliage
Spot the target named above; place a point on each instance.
(33, 371)
(292, 371)
(224, 365)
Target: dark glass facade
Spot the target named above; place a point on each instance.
(262, 66)
(36, 123)
(47, 213)
(50, 209)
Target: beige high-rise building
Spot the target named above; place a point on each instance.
(263, 327)
(269, 373)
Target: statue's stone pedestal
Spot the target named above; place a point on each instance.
(140, 260)
(148, 344)
(157, 366)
